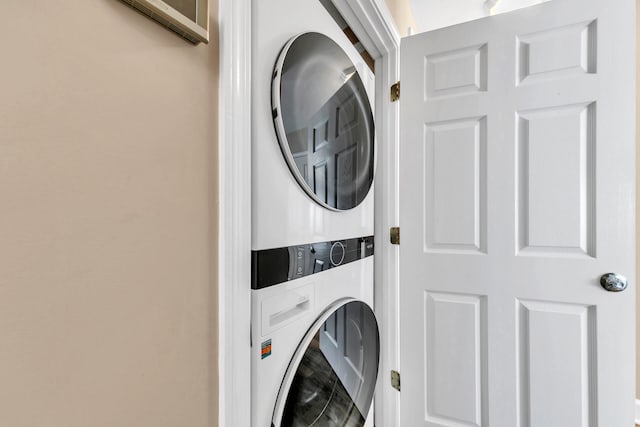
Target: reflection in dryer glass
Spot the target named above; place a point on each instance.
(334, 383)
(328, 124)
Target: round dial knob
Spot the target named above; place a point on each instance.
(337, 254)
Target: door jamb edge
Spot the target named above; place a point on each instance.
(234, 209)
(372, 23)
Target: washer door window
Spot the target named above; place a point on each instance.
(323, 120)
(331, 379)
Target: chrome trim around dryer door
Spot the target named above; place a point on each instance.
(348, 144)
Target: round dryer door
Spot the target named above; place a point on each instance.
(323, 120)
(331, 379)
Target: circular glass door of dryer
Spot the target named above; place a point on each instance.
(331, 379)
(323, 121)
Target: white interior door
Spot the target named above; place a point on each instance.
(516, 195)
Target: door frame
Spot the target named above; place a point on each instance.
(234, 214)
(372, 23)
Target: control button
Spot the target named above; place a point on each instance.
(337, 254)
(298, 262)
(319, 266)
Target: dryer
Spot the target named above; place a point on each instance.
(312, 179)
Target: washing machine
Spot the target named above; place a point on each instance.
(315, 342)
(315, 350)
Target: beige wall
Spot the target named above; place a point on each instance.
(107, 232)
(402, 16)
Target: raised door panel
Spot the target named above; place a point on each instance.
(457, 72)
(556, 188)
(455, 185)
(556, 364)
(455, 359)
(557, 52)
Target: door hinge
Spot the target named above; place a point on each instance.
(394, 234)
(395, 380)
(395, 92)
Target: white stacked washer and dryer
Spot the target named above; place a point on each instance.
(315, 341)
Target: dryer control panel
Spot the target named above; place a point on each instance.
(273, 266)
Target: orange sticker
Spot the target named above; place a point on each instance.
(265, 350)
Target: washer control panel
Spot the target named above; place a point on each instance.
(273, 266)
